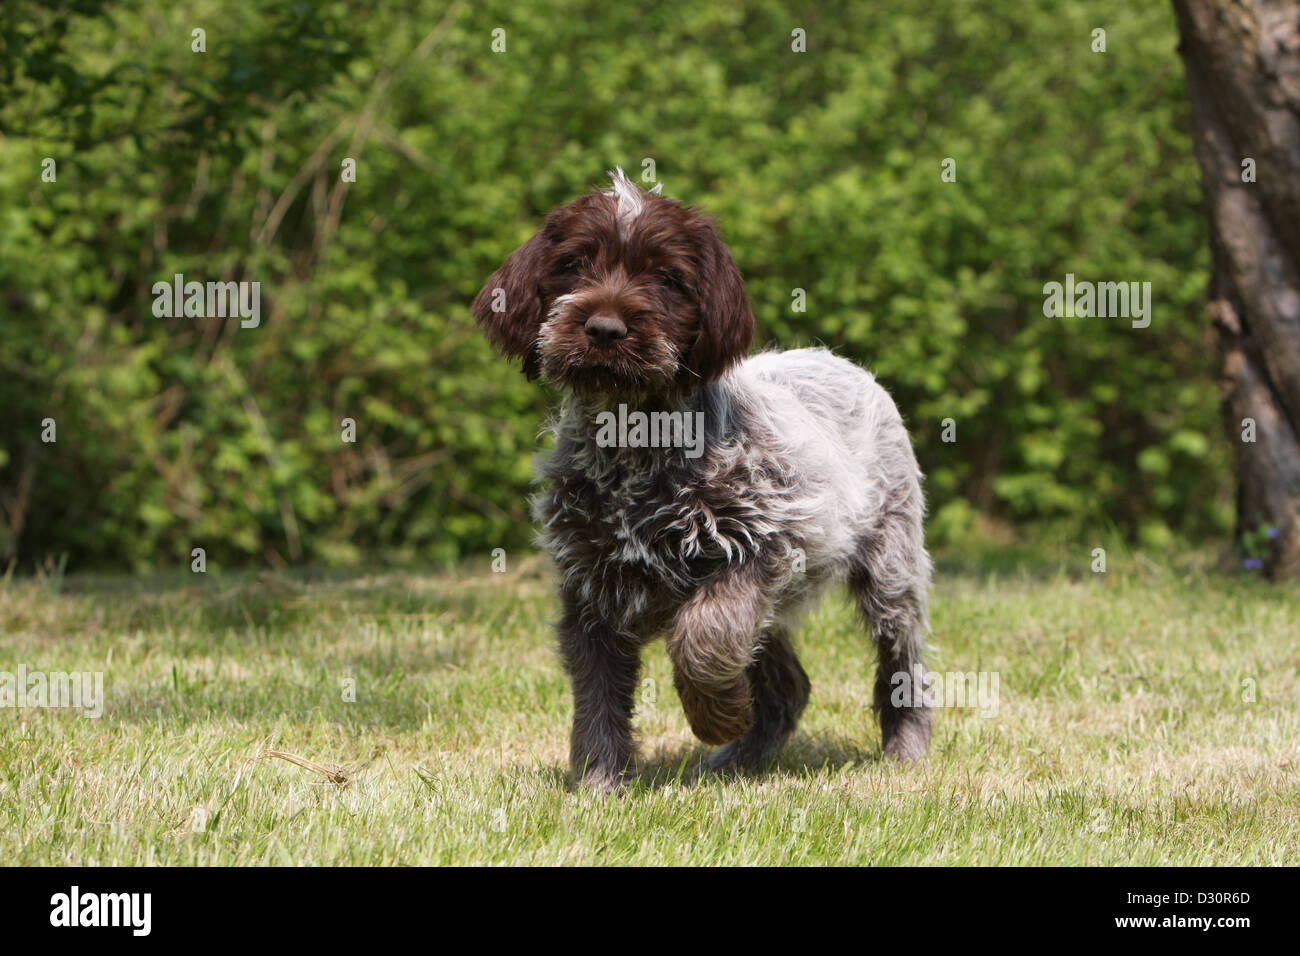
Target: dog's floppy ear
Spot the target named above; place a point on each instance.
(509, 306)
(726, 322)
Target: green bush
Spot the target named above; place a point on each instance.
(823, 169)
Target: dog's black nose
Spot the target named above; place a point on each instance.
(605, 327)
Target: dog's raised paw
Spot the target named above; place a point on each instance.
(716, 716)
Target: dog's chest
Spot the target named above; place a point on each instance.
(633, 541)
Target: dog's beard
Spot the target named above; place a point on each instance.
(641, 365)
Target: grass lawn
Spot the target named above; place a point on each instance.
(1148, 715)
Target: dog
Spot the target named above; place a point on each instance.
(800, 473)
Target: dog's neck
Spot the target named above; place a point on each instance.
(705, 416)
(589, 406)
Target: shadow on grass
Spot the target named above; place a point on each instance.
(686, 764)
(1059, 556)
(976, 558)
(294, 600)
(242, 601)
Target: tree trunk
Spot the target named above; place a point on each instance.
(1243, 76)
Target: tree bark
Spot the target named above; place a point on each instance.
(1242, 59)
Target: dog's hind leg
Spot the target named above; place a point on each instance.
(889, 581)
(779, 690)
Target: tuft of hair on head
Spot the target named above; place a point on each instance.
(629, 199)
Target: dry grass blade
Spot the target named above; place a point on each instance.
(336, 775)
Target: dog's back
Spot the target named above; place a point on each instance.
(840, 428)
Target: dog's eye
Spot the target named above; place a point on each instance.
(673, 279)
(574, 265)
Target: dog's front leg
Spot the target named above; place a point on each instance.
(712, 642)
(603, 666)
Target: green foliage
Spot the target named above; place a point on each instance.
(1256, 543)
(823, 169)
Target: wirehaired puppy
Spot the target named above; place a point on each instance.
(699, 494)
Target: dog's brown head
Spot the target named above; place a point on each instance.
(621, 292)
